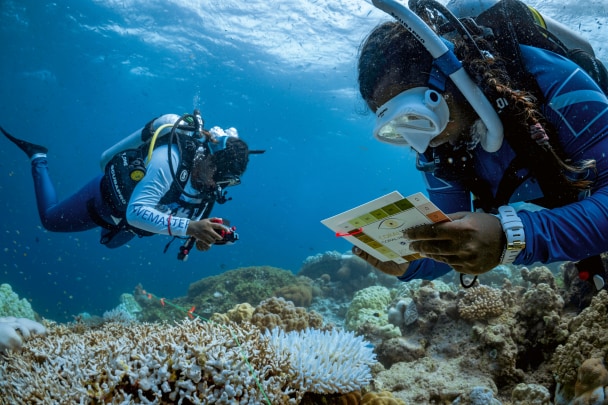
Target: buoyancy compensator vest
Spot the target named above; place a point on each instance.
(512, 22)
(127, 167)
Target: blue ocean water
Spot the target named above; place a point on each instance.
(78, 75)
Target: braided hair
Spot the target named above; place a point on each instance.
(525, 127)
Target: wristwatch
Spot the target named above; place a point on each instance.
(514, 232)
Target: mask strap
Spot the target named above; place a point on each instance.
(217, 144)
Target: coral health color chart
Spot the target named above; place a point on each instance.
(377, 226)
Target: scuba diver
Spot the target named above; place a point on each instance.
(162, 179)
(494, 121)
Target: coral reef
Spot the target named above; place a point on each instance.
(368, 305)
(248, 284)
(588, 339)
(300, 293)
(311, 355)
(13, 331)
(525, 342)
(431, 381)
(277, 312)
(218, 294)
(189, 362)
(530, 394)
(367, 315)
(380, 398)
(342, 275)
(480, 302)
(403, 313)
(591, 379)
(11, 305)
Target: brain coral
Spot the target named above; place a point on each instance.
(369, 304)
(300, 294)
(480, 303)
(276, 311)
(189, 362)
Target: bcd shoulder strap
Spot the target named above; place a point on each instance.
(513, 22)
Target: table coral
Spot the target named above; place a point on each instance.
(480, 303)
(189, 362)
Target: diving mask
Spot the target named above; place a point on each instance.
(412, 117)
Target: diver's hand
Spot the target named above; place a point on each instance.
(206, 232)
(389, 267)
(471, 243)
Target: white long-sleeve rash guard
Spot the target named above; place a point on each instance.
(144, 210)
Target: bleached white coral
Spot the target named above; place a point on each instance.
(189, 362)
(119, 314)
(14, 330)
(325, 362)
(11, 305)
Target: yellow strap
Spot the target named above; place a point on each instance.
(538, 17)
(153, 142)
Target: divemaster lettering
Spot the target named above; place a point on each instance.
(147, 215)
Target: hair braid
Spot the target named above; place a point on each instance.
(522, 116)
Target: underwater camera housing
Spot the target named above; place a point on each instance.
(228, 235)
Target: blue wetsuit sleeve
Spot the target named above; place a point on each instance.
(569, 233)
(143, 211)
(578, 109)
(425, 269)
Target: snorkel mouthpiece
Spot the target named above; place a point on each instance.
(447, 62)
(413, 117)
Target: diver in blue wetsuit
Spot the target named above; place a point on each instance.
(163, 179)
(554, 120)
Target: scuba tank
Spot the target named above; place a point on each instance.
(572, 40)
(143, 135)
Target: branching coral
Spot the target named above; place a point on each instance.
(312, 357)
(189, 362)
(14, 330)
